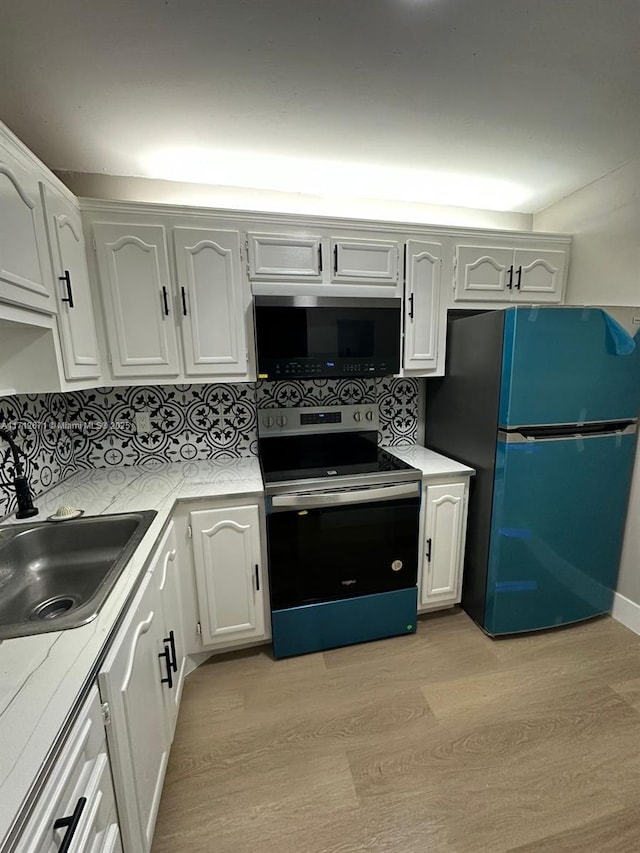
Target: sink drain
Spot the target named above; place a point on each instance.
(53, 607)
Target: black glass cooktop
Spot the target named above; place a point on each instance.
(302, 457)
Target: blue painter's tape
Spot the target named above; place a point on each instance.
(516, 586)
(515, 532)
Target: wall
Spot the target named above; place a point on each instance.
(604, 218)
(237, 198)
(61, 433)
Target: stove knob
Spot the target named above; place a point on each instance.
(357, 416)
(369, 415)
(281, 420)
(268, 421)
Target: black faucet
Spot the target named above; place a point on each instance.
(26, 509)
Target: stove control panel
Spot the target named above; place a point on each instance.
(308, 419)
(320, 418)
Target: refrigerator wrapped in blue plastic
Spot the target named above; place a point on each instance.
(543, 403)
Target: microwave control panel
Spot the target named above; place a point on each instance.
(305, 368)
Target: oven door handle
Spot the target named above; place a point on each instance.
(308, 500)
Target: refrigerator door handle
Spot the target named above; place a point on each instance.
(521, 438)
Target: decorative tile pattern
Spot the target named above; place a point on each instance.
(39, 423)
(61, 433)
(187, 422)
(398, 402)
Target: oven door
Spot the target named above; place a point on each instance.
(338, 544)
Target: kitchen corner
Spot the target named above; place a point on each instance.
(44, 676)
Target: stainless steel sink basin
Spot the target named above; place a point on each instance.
(56, 575)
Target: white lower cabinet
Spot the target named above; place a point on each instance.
(444, 524)
(228, 572)
(139, 680)
(169, 585)
(76, 810)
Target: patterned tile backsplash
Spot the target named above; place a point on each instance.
(60, 433)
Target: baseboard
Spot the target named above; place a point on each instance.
(627, 612)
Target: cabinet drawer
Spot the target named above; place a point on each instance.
(81, 773)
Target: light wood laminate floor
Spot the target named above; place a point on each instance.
(441, 741)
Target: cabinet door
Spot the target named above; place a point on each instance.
(370, 262)
(421, 306)
(134, 274)
(24, 268)
(80, 784)
(226, 546)
(210, 284)
(445, 520)
(538, 276)
(167, 567)
(75, 307)
(483, 274)
(131, 682)
(277, 256)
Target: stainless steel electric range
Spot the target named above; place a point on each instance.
(342, 529)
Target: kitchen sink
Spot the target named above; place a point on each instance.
(57, 575)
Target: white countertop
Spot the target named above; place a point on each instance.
(431, 464)
(42, 676)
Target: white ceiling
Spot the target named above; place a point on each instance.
(523, 102)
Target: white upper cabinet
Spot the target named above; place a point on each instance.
(538, 276)
(421, 305)
(25, 278)
(136, 290)
(490, 274)
(75, 307)
(274, 257)
(211, 305)
(364, 261)
(229, 578)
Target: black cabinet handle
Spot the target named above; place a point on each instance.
(166, 654)
(510, 282)
(519, 281)
(72, 823)
(172, 643)
(184, 301)
(257, 578)
(429, 550)
(411, 307)
(165, 301)
(320, 258)
(335, 260)
(67, 280)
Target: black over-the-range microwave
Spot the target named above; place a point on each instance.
(306, 337)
